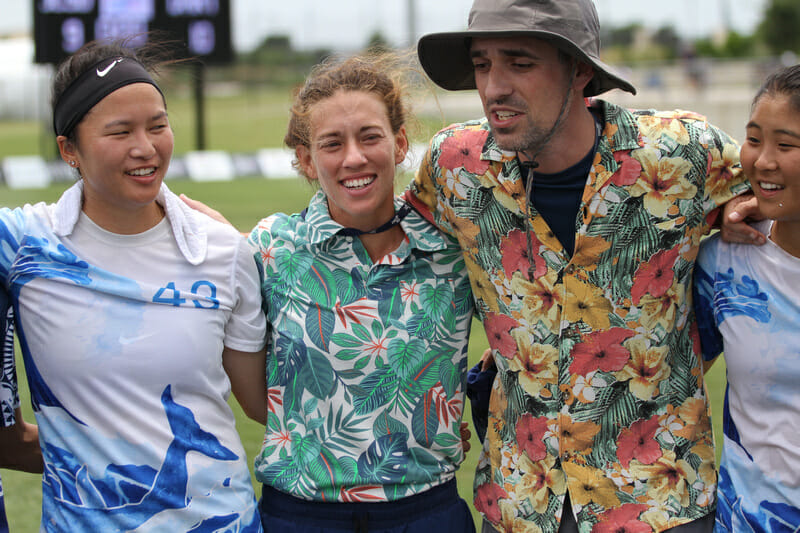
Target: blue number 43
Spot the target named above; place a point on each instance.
(172, 296)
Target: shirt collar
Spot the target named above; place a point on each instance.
(621, 128)
(420, 233)
(188, 226)
(492, 152)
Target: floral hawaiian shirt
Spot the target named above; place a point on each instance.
(599, 389)
(366, 362)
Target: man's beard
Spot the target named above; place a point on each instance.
(532, 138)
(529, 140)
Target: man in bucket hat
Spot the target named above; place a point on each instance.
(580, 223)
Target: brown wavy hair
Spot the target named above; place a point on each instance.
(382, 72)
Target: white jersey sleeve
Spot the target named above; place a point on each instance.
(246, 329)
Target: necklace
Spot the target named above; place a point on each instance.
(399, 215)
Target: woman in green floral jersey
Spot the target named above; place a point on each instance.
(369, 309)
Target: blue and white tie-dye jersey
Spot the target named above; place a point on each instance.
(747, 300)
(122, 339)
(9, 400)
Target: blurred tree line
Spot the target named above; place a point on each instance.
(777, 33)
(276, 62)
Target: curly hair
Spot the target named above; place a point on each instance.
(382, 73)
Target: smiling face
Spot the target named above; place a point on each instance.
(522, 82)
(771, 156)
(123, 148)
(353, 154)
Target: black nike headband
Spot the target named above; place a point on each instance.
(103, 78)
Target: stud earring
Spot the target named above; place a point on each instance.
(780, 204)
(72, 163)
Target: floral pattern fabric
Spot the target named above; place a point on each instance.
(599, 389)
(366, 362)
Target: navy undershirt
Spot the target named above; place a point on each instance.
(557, 198)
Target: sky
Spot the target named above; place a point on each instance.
(348, 24)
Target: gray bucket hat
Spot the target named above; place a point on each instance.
(571, 25)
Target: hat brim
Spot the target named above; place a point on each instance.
(446, 60)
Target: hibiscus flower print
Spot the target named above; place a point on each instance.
(584, 388)
(624, 519)
(707, 474)
(588, 251)
(482, 288)
(667, 124)
(577, 437)
(538, 480)
(661, 182)
(639, 442)
(720, 172)
(541, 301)
(661, 310)
(694, 413)
(587, 303)
(655, 276)
(629, 169)
(536, 365)
(511, 523)
(498, 331)
(601, 350)
(486, 501)
(514, 252)
(466, 231)
(666, 477)
(646, 368)
(530, 436)
(588, 484)
(463, 150)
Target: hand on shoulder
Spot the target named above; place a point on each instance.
(203, 208)
(736, 214)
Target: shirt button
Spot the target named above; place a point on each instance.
(570, 269)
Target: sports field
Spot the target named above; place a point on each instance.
(243, 201)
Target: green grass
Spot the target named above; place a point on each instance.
(244, 202)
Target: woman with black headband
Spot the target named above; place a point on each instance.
(131, 308)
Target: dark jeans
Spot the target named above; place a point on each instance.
(438, 510)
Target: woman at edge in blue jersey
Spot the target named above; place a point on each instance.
(130, 309)
(747, 300)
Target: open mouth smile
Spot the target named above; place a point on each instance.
(358, 183)
(140, 172)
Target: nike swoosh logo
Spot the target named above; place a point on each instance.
(130, 340)
(102, 73)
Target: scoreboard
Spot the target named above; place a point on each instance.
(200, 27)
